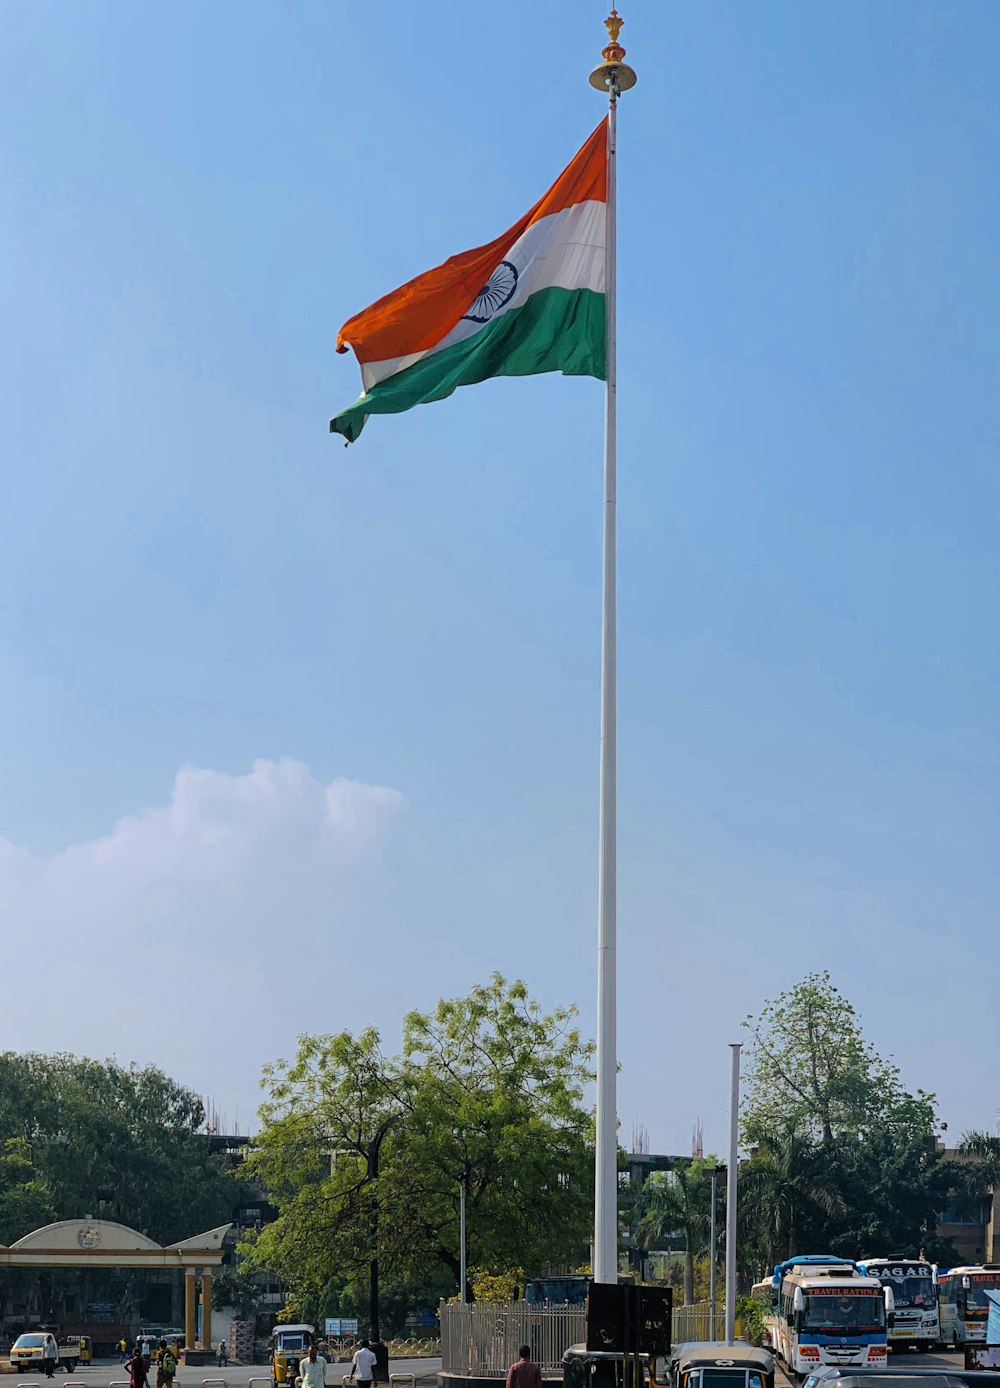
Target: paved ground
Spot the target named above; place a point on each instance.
(900, 1360)
(105, 1371)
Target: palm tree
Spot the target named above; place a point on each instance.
(981, 1172)
(677, 1203)
(784, 1190)
(984, 1148)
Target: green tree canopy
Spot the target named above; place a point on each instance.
(85, 1136)
(843, 1157)
(488, 1085)
(809, 1067)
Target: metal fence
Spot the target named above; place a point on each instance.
(695, 1322)
(482, 1340)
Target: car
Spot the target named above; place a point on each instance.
(905, 1378)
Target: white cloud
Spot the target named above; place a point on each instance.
(204, 934)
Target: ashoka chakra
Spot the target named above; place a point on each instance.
(494, 294)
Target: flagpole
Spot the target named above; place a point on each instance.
(613, 76)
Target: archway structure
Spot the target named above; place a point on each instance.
(100, 1243)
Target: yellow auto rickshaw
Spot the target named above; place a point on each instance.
(289, 1344)
(713, 1365)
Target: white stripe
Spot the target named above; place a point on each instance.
(564, 250)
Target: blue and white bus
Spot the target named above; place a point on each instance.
(914, 1290)
(830, 1315)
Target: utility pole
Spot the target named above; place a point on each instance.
(463, 1186)
(716, 1172)
(734, 1134)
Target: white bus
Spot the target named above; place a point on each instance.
(963, 1303)
(914, 1291)
(832, 1316)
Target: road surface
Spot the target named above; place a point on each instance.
(105, 1371)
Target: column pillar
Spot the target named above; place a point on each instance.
(190, 1314)
(206, 1309)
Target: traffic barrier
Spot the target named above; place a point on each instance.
(252, 1381)
(214, 1383)
(411, 1379)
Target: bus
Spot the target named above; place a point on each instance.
(831, 1315)
(914, 1290)
(963, 1303)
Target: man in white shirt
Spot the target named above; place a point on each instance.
(312, 1369)
(363, 1364)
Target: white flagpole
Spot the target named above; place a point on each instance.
(613, 76)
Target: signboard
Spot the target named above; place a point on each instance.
(843, 1291)
(341, 1325)
(628, 1320)
(982, 1356)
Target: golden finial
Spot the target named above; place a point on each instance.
(614, 52)
(613, 75)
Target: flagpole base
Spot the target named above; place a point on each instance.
(610, 76)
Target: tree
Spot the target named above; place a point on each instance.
(679, 1202)
(105, 1139)
(975, 1176)
(25, 1198)
(497, 1089)
(810, 1068)
(787, 1196)
(487, 1084)
(983, 1151)
(843, 1157)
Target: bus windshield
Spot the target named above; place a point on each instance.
(912, 1291)
(844, 1313)
(976, 1298)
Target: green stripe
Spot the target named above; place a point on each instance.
(553, 330)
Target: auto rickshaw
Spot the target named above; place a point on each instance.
(713, 1365)
(289, 1344)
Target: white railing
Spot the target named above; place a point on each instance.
(482, 1340)
(694, 1322)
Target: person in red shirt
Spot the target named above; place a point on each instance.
(525, 1373)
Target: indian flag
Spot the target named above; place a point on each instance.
(530, 301)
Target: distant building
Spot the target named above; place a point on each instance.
(974, 1233)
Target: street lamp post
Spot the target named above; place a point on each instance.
(463, 1186)
(731, 1193)
(713, 1180)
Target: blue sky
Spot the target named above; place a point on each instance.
(284, 723)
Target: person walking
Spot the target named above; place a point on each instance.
(363, 1364)
(50, 1355)
(223, 1354)
(312, 1369)
(166, 1366)
(123, 1349)
(138, 1374)
(525, 1373)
